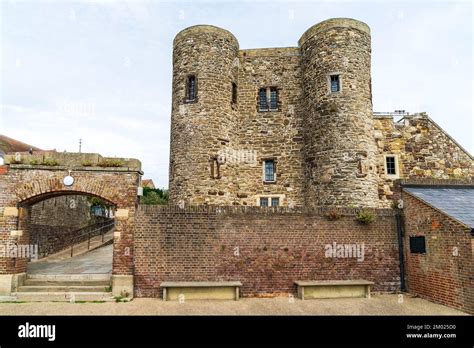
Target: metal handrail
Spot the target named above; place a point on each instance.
(110, 224)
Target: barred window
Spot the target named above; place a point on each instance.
(391, 165)
(335, 83)
(268, 99)
(269, 201)
(191, 88)
(273, 98)
(264, 201)
(262, 99)
(269, 170)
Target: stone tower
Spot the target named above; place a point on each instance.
(203, 125)
(339, 147)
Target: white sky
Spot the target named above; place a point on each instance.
(102, 70)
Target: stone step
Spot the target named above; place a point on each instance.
(70, 277)
(40, 282)
(61, 287)
(62, 296)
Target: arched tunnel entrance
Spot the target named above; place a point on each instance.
(70, 238)
(77, 204)
(64, 227)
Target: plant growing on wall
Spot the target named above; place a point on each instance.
(365, 217)
(111, 162)
(50, 162)
(333, 215)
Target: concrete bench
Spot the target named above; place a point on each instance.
(225, 290)
(333, 288)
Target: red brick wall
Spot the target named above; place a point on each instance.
(439, 275)
(274, 248)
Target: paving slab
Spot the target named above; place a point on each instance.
(379, 304)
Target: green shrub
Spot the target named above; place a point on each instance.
(111, 162)
(86, 163)
(365, 217)
(154, 196)
(50, 162)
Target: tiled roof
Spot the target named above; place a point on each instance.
(148, 183)
(457, 202)
(11, 145)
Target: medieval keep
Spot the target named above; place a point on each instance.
(293, 126)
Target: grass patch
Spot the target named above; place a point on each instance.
(94, 301)
(110, 163)
(13, 302)
(50, 162)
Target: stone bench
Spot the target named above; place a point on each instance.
(222, 290)
(333, 288)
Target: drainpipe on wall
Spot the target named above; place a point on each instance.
(401, 256)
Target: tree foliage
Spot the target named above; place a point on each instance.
(154, 196)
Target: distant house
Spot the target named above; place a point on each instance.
(148, 183)
(11, 145)
(8, 145)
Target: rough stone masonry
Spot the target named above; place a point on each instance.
(307, 110)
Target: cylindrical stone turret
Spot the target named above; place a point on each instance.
(202, 120)
(339, 150)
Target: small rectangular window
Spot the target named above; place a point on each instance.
(273, 99)
(234, 93)
(275, 201)
(390, 163)
(269, 170)
(268, 99)
(215, 168)
(418, 245)
(264, 201)
(335, 83)
(262, 99)
(191, 88)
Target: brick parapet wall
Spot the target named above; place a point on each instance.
(266, 251)
(226, 210)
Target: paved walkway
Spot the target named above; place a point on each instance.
(79, 248)
(96, 261)
(385, 304)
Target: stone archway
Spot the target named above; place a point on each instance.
(24, 182)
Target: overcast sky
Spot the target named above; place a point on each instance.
(102, 70)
